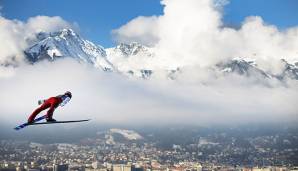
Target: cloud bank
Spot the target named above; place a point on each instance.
(191, 32)
(112, 98)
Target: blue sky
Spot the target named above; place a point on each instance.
(96, 18)
(282, 13)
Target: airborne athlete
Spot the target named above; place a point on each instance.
(52, 103)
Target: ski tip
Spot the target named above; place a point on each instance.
(16, 128)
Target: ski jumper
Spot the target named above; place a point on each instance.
(52, 103)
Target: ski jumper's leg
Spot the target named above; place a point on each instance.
(50, 112)
(54, 104)
(44, 106)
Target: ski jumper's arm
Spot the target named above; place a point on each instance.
(65, 100)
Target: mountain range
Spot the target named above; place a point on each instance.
(134, 59)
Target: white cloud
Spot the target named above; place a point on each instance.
(17, 34)
(46, 24)
(191, 32)
(141, 29)
(109, 97)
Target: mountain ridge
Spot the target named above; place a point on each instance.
(134, 59)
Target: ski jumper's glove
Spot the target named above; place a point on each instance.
(65, 99)
(41, 102)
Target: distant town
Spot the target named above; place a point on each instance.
(126, 150)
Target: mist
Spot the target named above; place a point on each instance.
(113, 98)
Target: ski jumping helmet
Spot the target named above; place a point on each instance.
(68, 93)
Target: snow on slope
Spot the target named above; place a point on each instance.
(132, 59)
(290, 70)
(249, 68)
(242, 66)
(128, 134)
(66, 43)
(139, 61)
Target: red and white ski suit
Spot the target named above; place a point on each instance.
(52, 103)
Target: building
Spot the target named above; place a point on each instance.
(60, 167)
(121, 167)
(96, 165)
(137, 168)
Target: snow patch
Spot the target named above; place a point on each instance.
(128, 134)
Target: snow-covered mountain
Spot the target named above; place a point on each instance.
(134, 59)
(241, 66)
(66, 43)
(128, 50)
(249, 68)
(289, 71)
(130, 59)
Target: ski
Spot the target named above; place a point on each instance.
(26, 124)
(56, 122)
